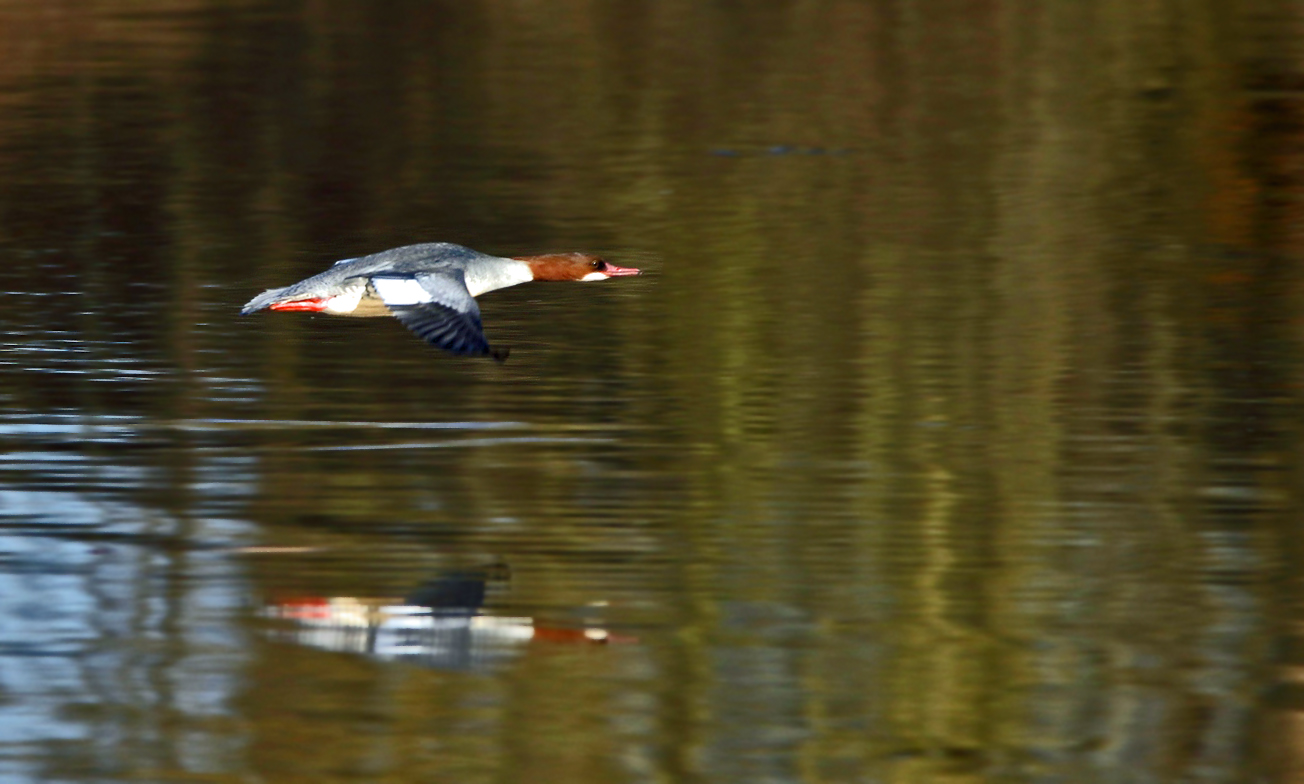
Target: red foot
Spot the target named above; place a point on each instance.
(315, 305)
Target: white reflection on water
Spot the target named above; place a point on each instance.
(82, 427)
(470, 442)
(118, 619)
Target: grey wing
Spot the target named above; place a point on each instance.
(438, 308)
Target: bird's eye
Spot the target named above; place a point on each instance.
(598, 264)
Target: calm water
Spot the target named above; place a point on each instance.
(951, 436)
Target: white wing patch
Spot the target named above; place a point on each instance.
(400, 291)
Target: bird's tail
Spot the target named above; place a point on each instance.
(269, 297)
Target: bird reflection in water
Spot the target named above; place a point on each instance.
(441, 624)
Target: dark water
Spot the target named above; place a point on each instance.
(951, 436)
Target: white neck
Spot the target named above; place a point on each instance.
(490, 274)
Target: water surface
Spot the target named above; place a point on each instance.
(951, 434)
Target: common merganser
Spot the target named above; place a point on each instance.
(431, 288)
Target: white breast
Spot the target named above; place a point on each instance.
(491, 274)
(346, 302)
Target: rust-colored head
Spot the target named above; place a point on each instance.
(573, 266)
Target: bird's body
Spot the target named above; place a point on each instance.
(431, 288)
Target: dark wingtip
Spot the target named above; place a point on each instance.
(499, 354)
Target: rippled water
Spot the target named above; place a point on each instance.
(951, 434)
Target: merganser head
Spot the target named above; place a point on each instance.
(574, 266)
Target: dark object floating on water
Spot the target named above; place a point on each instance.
(431, 288)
